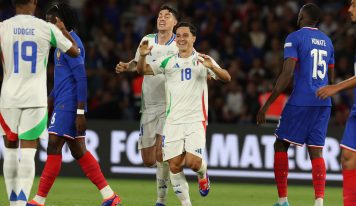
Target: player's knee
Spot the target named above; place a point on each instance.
(280, 146)
(175, 168)
(149, 162)
(159, 156)
(53, 149)
(347, 162)
(194, 165)
(77, 154)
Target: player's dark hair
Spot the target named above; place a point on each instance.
(191, 27)
(170, 9)
(63, 11)
(20, 2)
(312, 11)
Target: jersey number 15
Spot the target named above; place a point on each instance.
(22, 51)
(318, 61)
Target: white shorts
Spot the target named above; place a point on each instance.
(180, 138)
(150, 126)
(24, 123)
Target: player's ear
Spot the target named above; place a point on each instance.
(194, 38)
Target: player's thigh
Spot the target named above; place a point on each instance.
(148, 132)
(293, 125)
(173, 141)
(318, 126)
(348, 141)
(33, 123)
(10, 120)
(176, 163)
(195, 139)
(62, 124)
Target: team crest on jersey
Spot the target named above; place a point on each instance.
(58, 54)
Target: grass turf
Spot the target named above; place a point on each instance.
(80, 192)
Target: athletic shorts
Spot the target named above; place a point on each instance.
(304, 125)
(349, 139)
(180, 138)
(24, 123)
(150, 126)
(63, 124)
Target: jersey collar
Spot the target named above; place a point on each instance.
(173, 37)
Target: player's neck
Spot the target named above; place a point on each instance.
(23, 11)
(164, 37)
(186, 53)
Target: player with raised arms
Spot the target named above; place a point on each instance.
(348, 142)
(153, 102)
(68, 123)
(25, 45)
(184, 132)
(309, 57)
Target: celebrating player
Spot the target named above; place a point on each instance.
(68, 122)
(25, 44)
(153, 99)
(348, 142)
(185, 76)
(309, 55)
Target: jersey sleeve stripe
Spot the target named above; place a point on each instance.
(53, 39)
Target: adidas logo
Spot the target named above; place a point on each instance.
(176, 66)
(199, 151)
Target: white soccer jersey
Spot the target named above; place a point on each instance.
(186, 87)
(25, 45)
(153, 90)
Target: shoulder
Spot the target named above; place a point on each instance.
(149, 37)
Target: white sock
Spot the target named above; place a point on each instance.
(162, 177)
(319, 202)
(39, 199)
(26, 172)
(106, 192)
(202, 171)
(282, 200)
(181, 188)
(11, 163)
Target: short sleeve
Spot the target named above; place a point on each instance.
(58, 40)
(332, 58)
(75, 61)
(291, 47)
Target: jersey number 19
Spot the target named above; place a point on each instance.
(29, 58)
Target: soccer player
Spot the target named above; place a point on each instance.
(348, 142)
(153, 99)
(185, 76)
(25, 45)
(68, 122)
(309, 57)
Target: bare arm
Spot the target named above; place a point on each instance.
(282, 82)
(330, 90)
(222, 74)
(130, 66)
(142, 67)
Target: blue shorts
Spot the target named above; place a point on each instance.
(349, 139)
(63, 124)
(303, 125)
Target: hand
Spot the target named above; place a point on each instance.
(80, 124)
(122, 67)
(261, 116)
(144, 49)
(206, 61)
(327, 91)
(59, 23)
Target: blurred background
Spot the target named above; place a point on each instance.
(245, 36)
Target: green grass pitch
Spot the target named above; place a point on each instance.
(80, 192)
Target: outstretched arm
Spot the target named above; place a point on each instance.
(282, 82)
(126, 66)
(222, 74)
(142, 67)
(330, 90)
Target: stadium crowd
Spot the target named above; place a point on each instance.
(245, 36)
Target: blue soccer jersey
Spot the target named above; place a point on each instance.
(69, 79)
(314, 53)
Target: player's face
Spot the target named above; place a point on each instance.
(352, 11)
(166, 21)
(184, 39)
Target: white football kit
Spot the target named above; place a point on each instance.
(153, 99)
(25, 45)
(186, 104)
